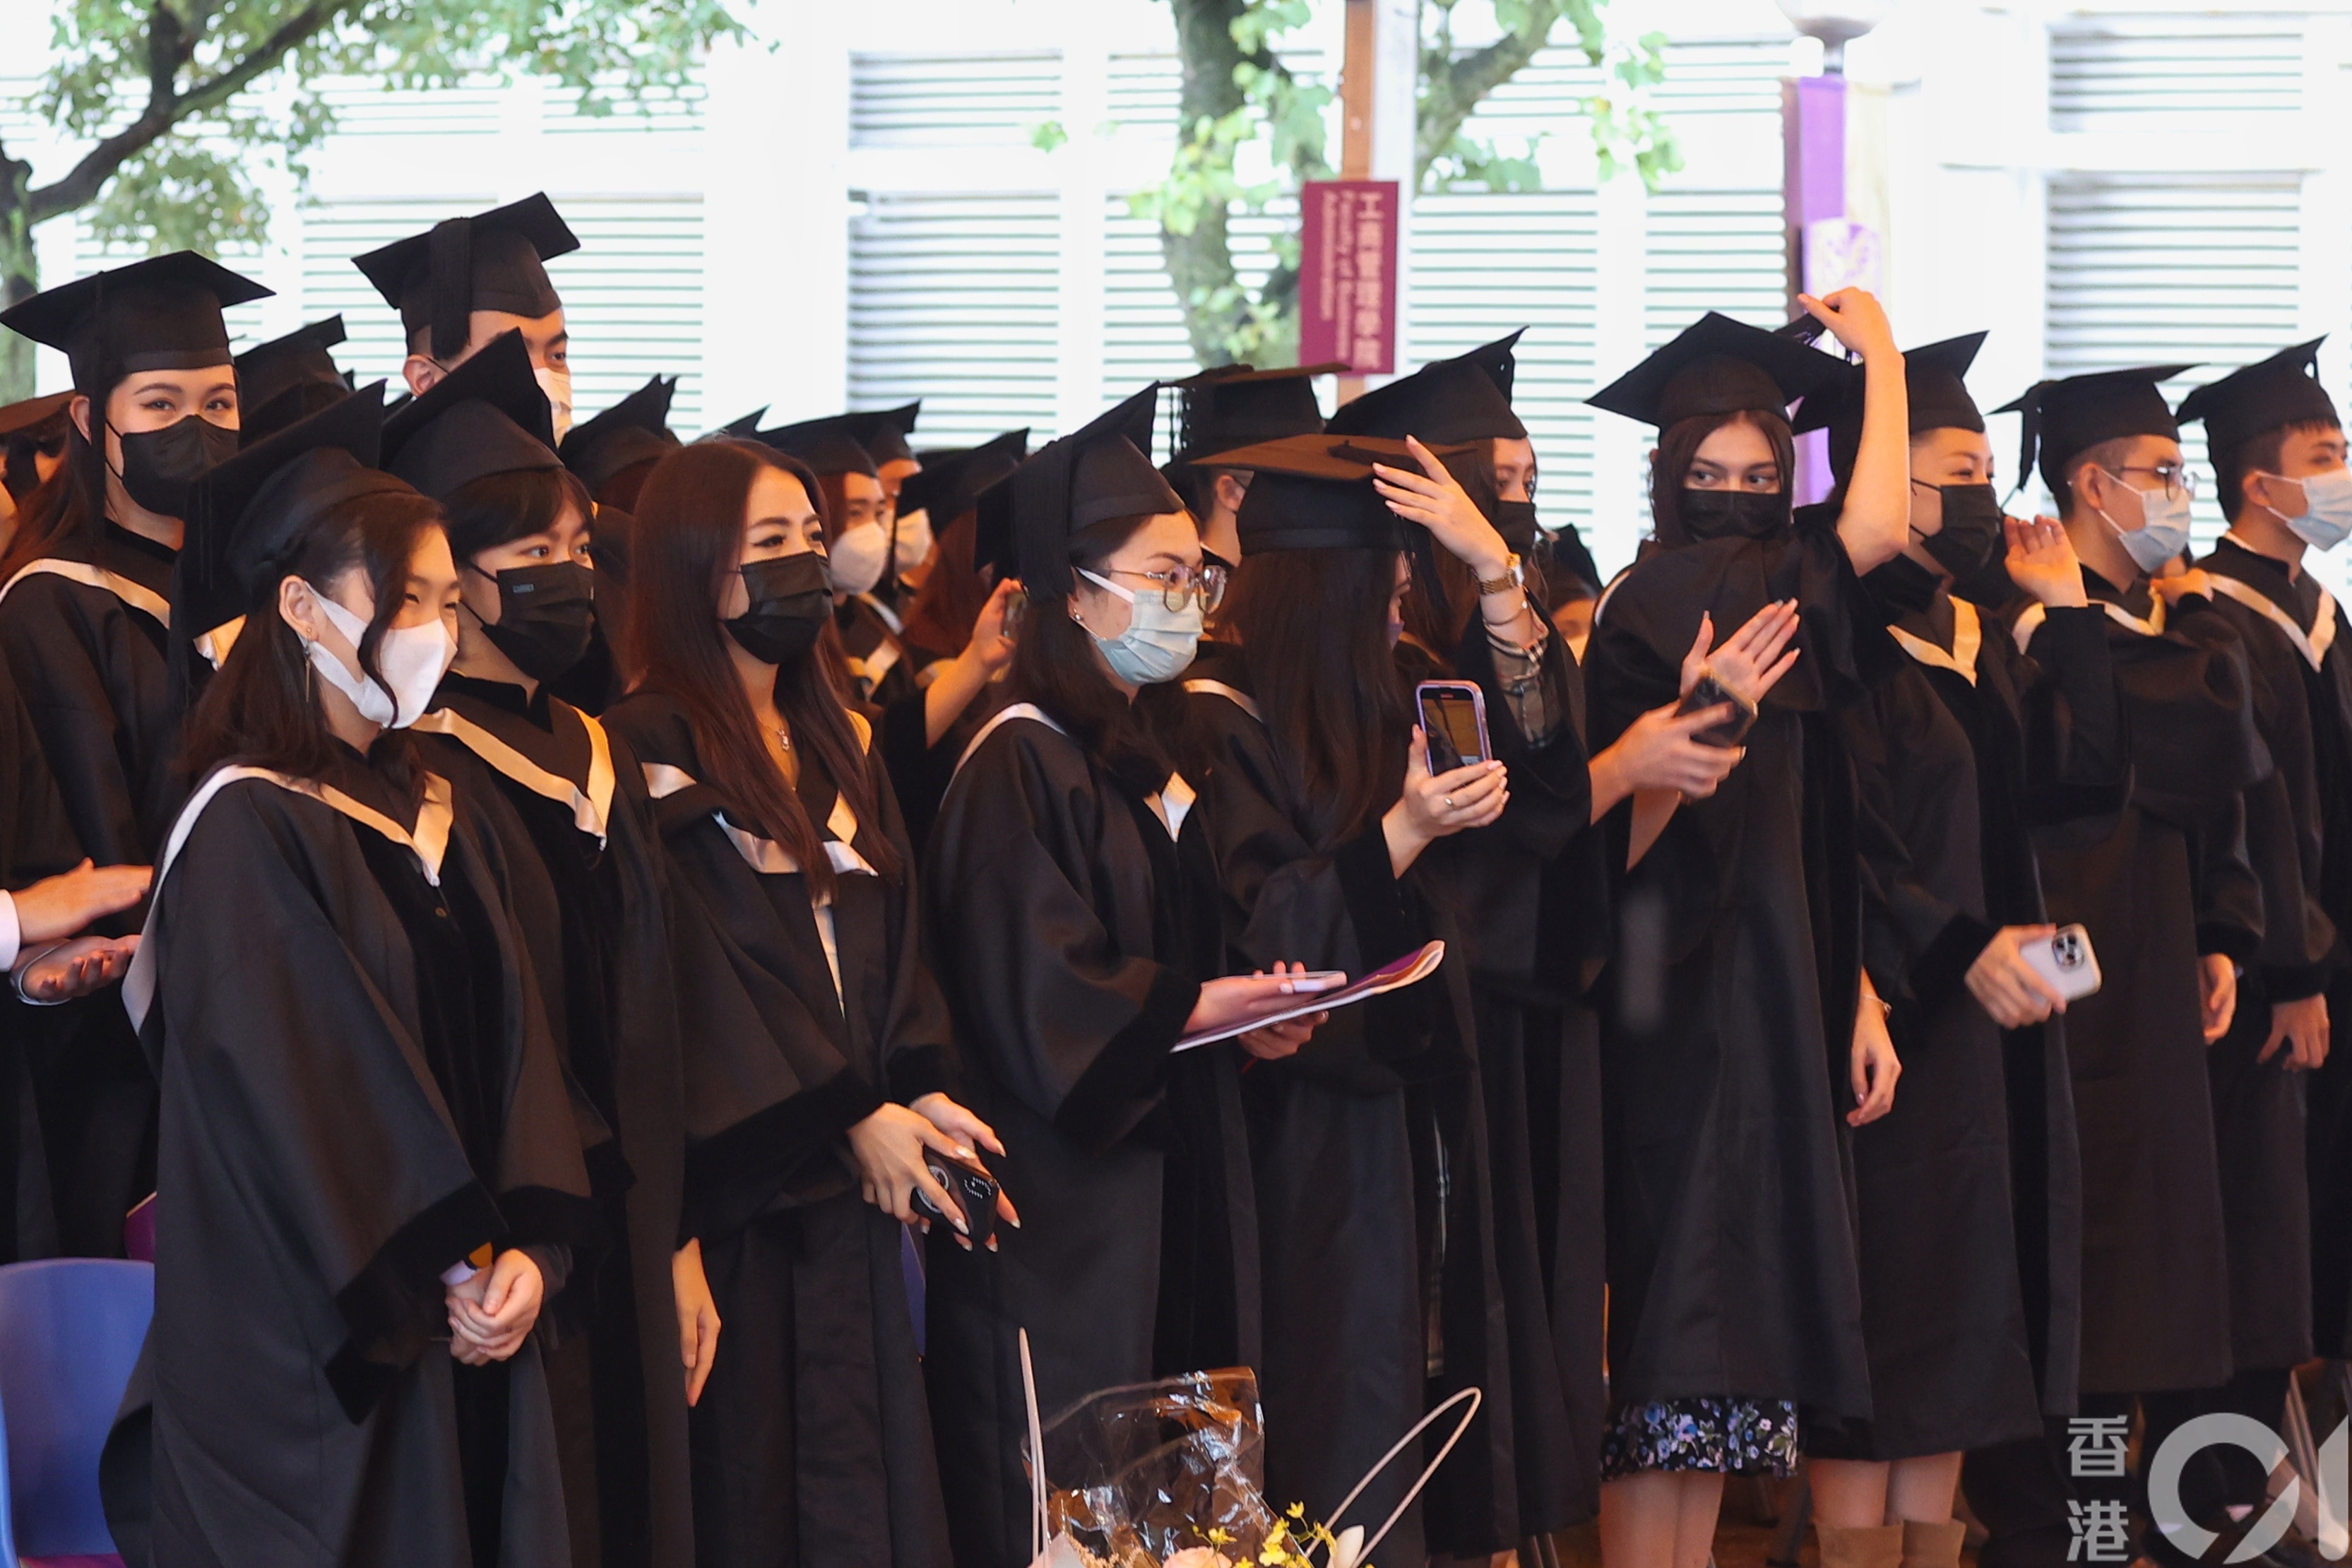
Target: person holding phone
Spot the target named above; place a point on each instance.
(815, 1045)
(1072, 904)
(1529, 894)
(1734, 980)
(1968, 1216)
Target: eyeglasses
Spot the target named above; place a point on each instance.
(2177, 482)
(1179, 584)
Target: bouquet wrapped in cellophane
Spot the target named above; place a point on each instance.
(1171, 1475)
(1167, 1475)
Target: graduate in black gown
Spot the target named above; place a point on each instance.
(813, 1042)
(48, 894)
(370, 1180)
(466, 281)
(1230, 407)
(1529, 898)
(1969, 1219)
(1074, 907)
(2172, 907)
(1742, 1044)
(954, 630)
(85, 602)
(858, 517)
(1374, 1214)
(2277, 449)
(567, 803)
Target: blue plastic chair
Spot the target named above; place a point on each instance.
(70, 1328)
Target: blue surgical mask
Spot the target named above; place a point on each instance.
(2163, 532)
(2327, 519)
(1158, 641)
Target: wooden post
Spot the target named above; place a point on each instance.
(1359, 79)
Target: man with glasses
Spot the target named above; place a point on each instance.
(2172, 907)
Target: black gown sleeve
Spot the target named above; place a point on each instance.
(1552, 779)
(89, 677)
(2078, 757)
(1073, 1027)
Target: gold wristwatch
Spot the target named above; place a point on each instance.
(1512, 577)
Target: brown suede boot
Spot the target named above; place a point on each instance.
(1936, 1545)
(1870, 1546)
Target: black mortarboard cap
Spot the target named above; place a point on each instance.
(2064, 418)
(33, 412)
(288, 379)
(745, 429)
(1935, 387)
(1564, 551)
(952, 481)
(1443, 404)
(487, 416)
(491, 262)
(634, 430)
(1100, 471)
(2267, 395)
(1718, 366)
(883, 432)
(1235, 405)
(825, 445)
(162, 313)
(1315, 493)
(243, 513)
(1499, 360)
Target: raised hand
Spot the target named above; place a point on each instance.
(2041, 562)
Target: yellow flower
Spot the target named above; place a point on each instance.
(1296, 1511)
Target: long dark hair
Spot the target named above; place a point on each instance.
(486, 512)
(1055, 665)
(689, 536)
(1444, 592)
(262, 710)
(1315, 625)
(1680, 442)
(939, 620)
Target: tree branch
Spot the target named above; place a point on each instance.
(78, 186)
(1455, 87)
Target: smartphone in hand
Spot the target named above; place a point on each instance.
(1709, 692)
(1453, 717)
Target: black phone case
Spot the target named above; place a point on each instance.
(973, 1187)
(1709, 693)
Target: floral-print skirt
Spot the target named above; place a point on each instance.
(1735, 1437)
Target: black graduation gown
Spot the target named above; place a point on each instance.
(1732, 1255)
(812, 1442)
(86, 642)
(1368, 1147)
(2167, 882)
(1969, 1295)
(346, 1114)
(567, 803)
(1529, 899)
(2258, 1106)
(37, 840)
(1073, 935)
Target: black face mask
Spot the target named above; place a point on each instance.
(158, 465)
(1516, 522)
(1903, 587)
(1971, 531)
(1733, 515)
(791, 599)
(546, 616)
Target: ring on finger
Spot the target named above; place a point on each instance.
(1449, 802)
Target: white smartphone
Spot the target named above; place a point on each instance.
(2066, 962)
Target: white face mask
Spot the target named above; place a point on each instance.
(858, 557)
(414, 660)
(2326, 517)
(557, 385)
(914, 539)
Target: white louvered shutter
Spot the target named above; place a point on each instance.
(951, 99)
(956, 299)
(1486, 264)
(2124, 73)
(334, 232)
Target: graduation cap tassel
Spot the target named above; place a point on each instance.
(2029, 420)
(451, 251)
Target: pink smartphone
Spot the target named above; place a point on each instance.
(1453, 717)
(1310, 984)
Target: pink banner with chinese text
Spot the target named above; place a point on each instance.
(1348, 275)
